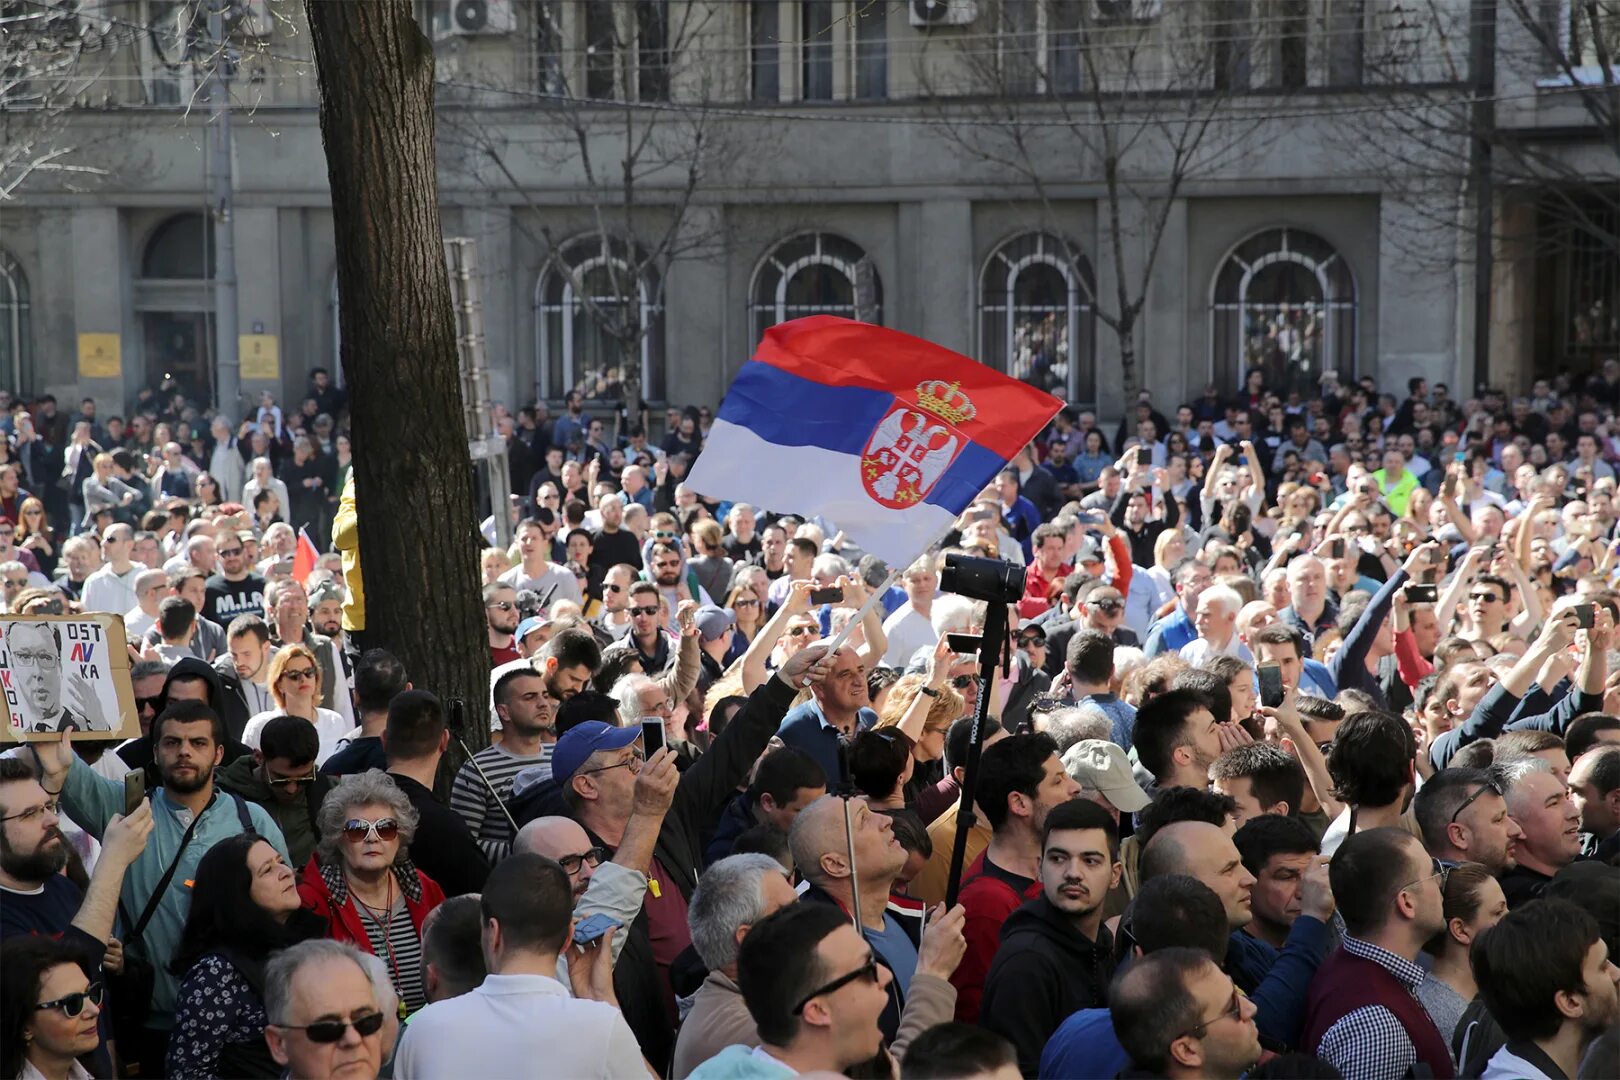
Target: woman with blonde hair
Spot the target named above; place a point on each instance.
(104, 491)
(1168, 550)
(294, 682)
(746, 601)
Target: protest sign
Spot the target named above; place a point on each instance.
(66, 673)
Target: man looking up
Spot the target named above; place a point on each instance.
(838, 707)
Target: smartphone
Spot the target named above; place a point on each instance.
(592, 927)
(1422, 594)
(826, 596)
(652, 735)
(1271, 685)
(1460, 457)
(133, 790)
(1337, 549)
(1091, 517)
(1585, 614)
(963, 644)
(1144, 455)
(1243, 460)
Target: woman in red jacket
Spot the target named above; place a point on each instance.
(362, 882)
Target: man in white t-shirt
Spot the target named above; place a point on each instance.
(909, 627)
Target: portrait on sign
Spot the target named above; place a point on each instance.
(65, 673)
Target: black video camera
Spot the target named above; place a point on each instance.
(992, 580)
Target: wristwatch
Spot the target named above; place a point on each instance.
(930, 691)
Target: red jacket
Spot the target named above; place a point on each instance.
(988, 898)
(325, 892)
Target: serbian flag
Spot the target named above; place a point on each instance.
(884, 434)
(305, 558)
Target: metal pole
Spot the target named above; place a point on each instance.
(228, 377)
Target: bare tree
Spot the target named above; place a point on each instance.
(50, 61)
(1142, 101)
(632, 118)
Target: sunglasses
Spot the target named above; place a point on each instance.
(1109, 606)
(962, 682)
(301, 675)
(330, 1031)
(868, 970)
(610, 587)
(1031, 641)
(501, 605)
(156, 703)
(73, 1004)
(1466, 803)
(659, 534)
(1489, 598)
(288, 781)
(647, 611)
(592, 858)
(227, 553)
(801, 631)
(745, 603)
(358, 830)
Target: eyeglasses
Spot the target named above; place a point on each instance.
(227, 553)
(288, 781)
(301, 675)
(1441, 871)
(1466, 803)
(647, 611)
(330, 1031)
(1233, 1010)
(47, 807)
(501, 605)
(358, 830)
(868, 970)
(73, 1004)
(592, 858)
(633, 763)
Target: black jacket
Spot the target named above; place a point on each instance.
(699, 798)
(137, 753)
(1044, 971)
(233, 702)
(444, 849)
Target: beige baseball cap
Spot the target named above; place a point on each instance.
(1102, 766)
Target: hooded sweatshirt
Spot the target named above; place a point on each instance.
(137, 753)
(1044, 971)
(295, 819)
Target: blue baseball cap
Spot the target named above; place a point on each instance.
(529, 626)
(582, 740)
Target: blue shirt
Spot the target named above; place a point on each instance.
(893, 944)
(1170, 633)
(1085, 1045)
(805, 728)
(1122, 713)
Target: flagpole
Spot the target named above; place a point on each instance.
(878, 592)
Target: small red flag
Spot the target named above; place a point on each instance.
(305, 558)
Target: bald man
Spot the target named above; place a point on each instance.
(1275, 980)
(600, 887)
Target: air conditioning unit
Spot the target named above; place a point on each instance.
(255, 19)
(928, 14)
(470, 17)
(1123, 11)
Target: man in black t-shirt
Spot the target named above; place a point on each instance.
(612, 544)
(234, 590)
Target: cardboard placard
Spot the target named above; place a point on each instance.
(66, 672)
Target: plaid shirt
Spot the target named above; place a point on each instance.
(1370, 1043)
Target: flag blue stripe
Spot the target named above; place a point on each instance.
(788, 410)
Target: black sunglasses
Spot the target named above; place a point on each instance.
(644, 611)
(73, 1004)
(868, 970)
(155, 702)
(962, 682)
(1466, 803)
(330, 1031)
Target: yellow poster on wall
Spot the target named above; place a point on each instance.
(101, 356)
(259, 356)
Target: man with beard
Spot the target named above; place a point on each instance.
(36, 659)
(187, 739)
(36, 898)
(1464, 818)
(528, 736)
(1056, 956)
(235, 589)
(1021, 779)
(287, 606)
(612, 543)
(567, 662)
(501, 615)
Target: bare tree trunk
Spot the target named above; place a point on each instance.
(412, 475)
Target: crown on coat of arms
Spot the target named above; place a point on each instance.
(946, 401)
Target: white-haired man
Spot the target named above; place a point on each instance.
(1215, 619)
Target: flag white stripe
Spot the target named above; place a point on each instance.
(738, 466)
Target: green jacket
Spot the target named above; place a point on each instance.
(295, 819)
(1397, 494)
(91, 800)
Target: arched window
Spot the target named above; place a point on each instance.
(582, 334)
(180, 249)
(815, 274)
(13, 322)
(1035, 316)
(1284, 302)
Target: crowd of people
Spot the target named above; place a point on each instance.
(1302, 760)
